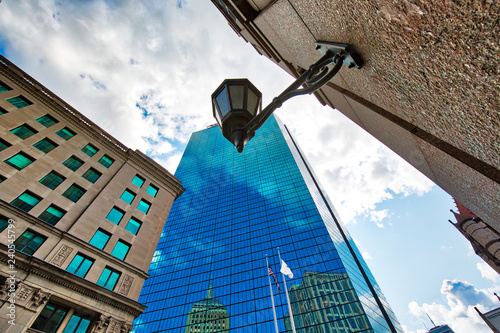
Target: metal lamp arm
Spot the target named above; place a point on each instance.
(316, 77)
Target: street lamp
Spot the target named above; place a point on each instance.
(237, 104)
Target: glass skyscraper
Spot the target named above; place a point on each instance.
(209, 271)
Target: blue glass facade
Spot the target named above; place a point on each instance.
(209, 271)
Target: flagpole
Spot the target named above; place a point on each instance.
(272, 297)
(287, 298)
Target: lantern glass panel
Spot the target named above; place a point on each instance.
(237, 93)
(222, 102)
(253, 102)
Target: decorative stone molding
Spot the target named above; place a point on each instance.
(114, 326)
(38, 299)
(102, 324)
(126, 328)
(61, 255)
(126, 284)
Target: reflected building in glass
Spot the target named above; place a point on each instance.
(236, 209)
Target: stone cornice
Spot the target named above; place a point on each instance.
(33, 265)
(85, 125)
(72, 239)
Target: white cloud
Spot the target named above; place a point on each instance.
(487, 272)
(459, 312)
(144, 71)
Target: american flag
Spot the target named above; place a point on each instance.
(274, 277)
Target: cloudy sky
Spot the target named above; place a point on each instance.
(144, 71)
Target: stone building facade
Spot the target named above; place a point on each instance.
(428, 89)
(80, 215)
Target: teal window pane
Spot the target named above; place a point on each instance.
(3, 111)
(92, 175)
(106, 161)
(100, 239)
(4, 223)
(66, 133)
(128, 196)
(144, 206)
(90, 150)
(20, 161)
(24, 131)
(45, 145)
(80, 265)
(115, 215)
(77, 324)
(133, 226)
(73, 163)
(26, 201)
(74, 193)
(52, 180)
(4, 87)
(152, 190)
(29, 242)
(19, 101)
(121, 249)
(138, 181)
(108, 278)
(47, 120)
(52, 215)
(2, 178)
(4, 144)
(50, 318)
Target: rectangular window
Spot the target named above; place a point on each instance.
(115, 215)
(52, 215)
(2, 178)
(4, 144)
(74, 193)
(29, 242)
(80, 265)
(138, 181)
(90, 150)
(2, 111)
(73, 163)
(50, 318)
(92, 175)
(121, 249)
(66, 133)
(108, 278)
(106, 161)
(144, 206)
(128, 196)
(52, 180)
(47, 120)
(19, 101)
(4, 87)
(152, 190)
(26, 201)
(133, 226)
(24, 131)
(4, 223)
(20, 160)
(100, 239)
(78, 323)
(45, 145)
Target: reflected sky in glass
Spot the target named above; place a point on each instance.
(209, 271)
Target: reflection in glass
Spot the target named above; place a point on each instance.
(207, 316)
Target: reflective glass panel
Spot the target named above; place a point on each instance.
(26, 201)
(47, 120)
(253, 102)
(152, 190)
(4, 87)
(19, 101)
(74, 193)
(115, 215)
(133, 226)
(45, 145)
(50, 318)
(144, 206)
(80, 265)
(106, 161)
(24, 131)
(108, 278)
(73, 163)
(222, 102)
(120, 250)
(92, 175)
(52, 180)
(237, 94)
(29, 242)
(128, 196)
(90, 150)
(2, 111)
(138, 181)
(20, 160)
(4, 144)
(100, 239)
(52, 215)
(66, 133)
